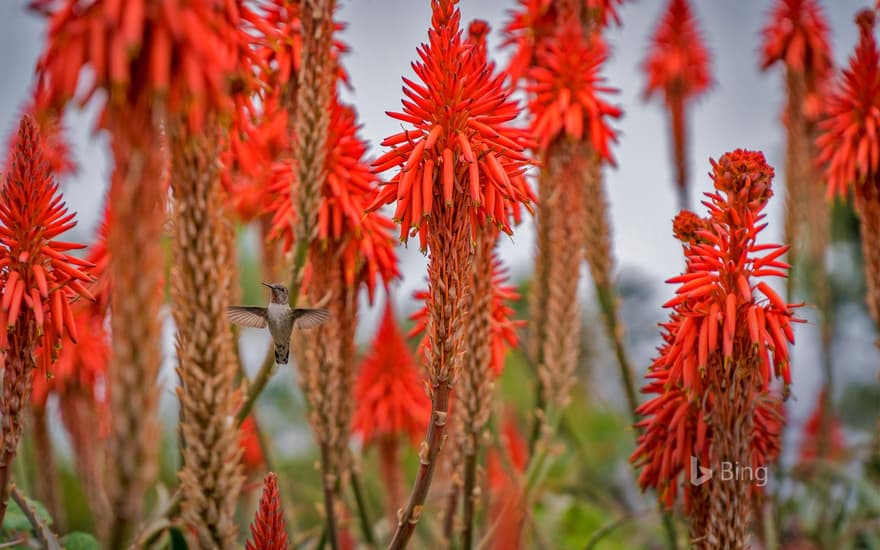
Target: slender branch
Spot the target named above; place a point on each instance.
(607, 301)
(162, 522)
(469, 495)
(449, 514)
(427, 461)
(47, 538)
(609, 527)
(364, 519)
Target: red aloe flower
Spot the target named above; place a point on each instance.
(565, 85)
(55, 146)
(390, 396)
(267, 530)
(720, 330)
(797, 34)
(536, 20)
(461, 114)
(142, 50)
(849, 143)
(812, 445)
(38, 280)
(367, 246)
(501, 327)
(678, 66)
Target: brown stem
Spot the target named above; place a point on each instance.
(679, 139)
(469, 494)
(18, 376)
(136, 269)
(328, 483)
(410, 515)
(449, 513)
(389, 469)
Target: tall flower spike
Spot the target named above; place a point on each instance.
(850, 148)
(796, 36)
(210, 477)
(38, 280)
(726, 339)
(459, 168)
(160, 64)
(678, 66)
(267, 530)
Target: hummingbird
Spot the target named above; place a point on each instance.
(279, 317)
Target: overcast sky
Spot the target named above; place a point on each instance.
(741, 111)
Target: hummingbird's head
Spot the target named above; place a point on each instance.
(279, 293)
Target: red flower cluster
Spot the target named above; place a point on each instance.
(537, 20)
(267, 530)
(462, 142)
(38, 279)
(391, 400)
(367, 245)
(849, 142)
(56, 149)
(141, 50)
(565, 86)
(798, 35)
(718, 319)
(678, 62)
(502, 328)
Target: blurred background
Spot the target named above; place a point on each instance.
(741, 111)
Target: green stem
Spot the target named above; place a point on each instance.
(608, 304)
(363, 517)
(610, 527)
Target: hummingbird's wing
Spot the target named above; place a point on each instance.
(247, 316)
(304, 317)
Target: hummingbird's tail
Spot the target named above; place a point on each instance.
(282, 353)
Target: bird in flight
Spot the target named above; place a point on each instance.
(279, 317)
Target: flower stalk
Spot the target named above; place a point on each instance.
(38, 280)
(211, 475)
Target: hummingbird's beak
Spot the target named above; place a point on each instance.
(266, 284)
